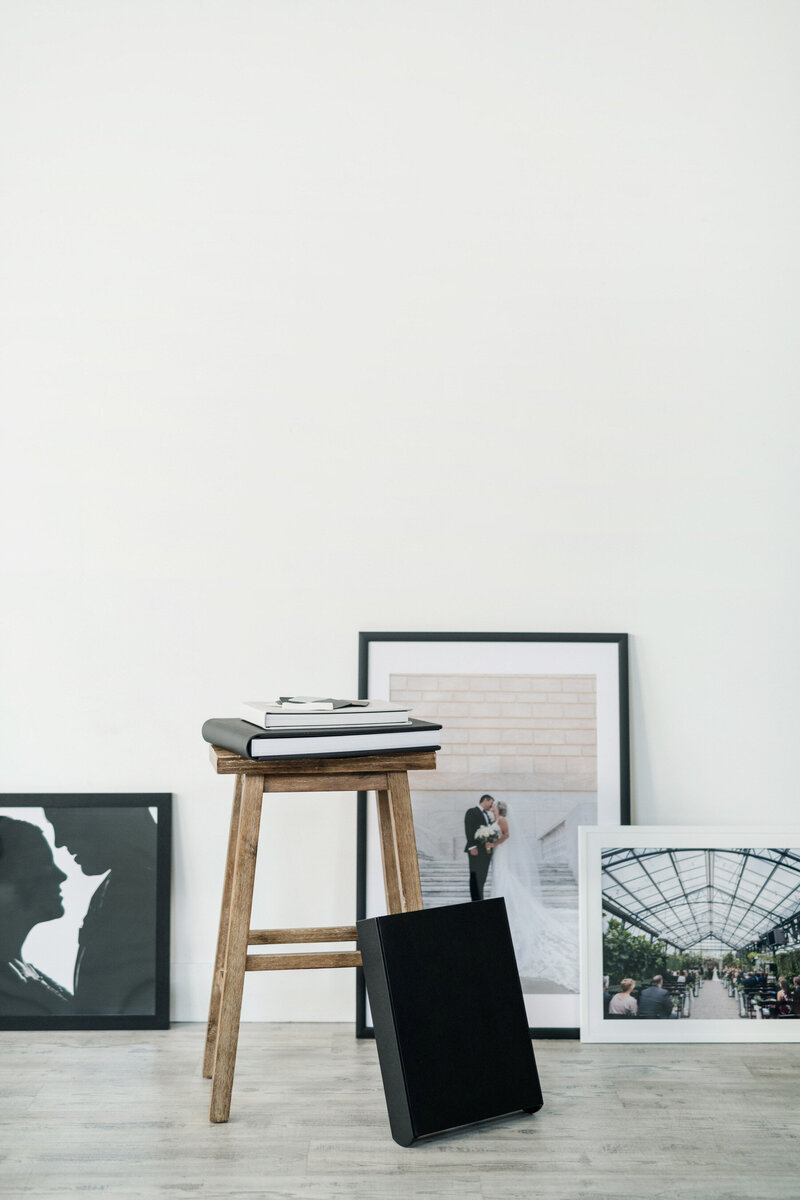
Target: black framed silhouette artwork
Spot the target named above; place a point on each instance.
(84, 911)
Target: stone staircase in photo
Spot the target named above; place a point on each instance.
(446, 882)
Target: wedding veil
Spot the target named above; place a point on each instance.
(545, 940)
(519, 854)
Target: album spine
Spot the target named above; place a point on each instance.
(389, 1055)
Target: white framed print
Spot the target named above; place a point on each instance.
(690, 934)
(534, 730)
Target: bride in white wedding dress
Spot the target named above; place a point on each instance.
(545, 940)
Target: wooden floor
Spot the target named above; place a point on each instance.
(124, 1115)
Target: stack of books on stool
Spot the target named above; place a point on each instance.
(320, 727)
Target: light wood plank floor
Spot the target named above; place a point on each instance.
(124, 1116)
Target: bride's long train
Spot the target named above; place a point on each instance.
(545, 940)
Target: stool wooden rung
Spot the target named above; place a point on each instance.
(298, 937)
(299, 962)
(387, 776)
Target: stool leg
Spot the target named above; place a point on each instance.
(222, 936)
(238, 934)
(404, 841)
(391, 878)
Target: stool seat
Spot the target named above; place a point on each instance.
(326, 773)
(387, 775)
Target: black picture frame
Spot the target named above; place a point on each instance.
(618, 646)
(142, 862)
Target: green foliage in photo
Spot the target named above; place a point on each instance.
(631, 955)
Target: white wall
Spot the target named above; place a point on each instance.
(416, 315)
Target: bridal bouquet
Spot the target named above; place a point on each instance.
(488, 834)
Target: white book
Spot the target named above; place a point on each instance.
(269, 714)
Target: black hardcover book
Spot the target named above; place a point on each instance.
(449, 1017)
(251, 741)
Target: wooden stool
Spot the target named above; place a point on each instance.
(386, 774)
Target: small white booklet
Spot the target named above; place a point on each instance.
(313, 712)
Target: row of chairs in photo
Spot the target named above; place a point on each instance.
(761, 1003)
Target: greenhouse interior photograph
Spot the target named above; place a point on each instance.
(701, 934)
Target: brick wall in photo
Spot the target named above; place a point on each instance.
(520, 733)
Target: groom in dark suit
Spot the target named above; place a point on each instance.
(480, 857)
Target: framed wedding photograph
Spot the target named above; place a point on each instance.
(85, 911)
(534, 744)
(690, 934)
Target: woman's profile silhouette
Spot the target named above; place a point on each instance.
(30, 893)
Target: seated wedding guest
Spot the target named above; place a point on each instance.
(655, 1003)
(623, 1004)
(606, 994)
(30, 893)
(115, 971)
(796, 996)
(783, 999)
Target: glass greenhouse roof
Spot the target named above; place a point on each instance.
(695, 899)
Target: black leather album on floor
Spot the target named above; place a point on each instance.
(449, 1018)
